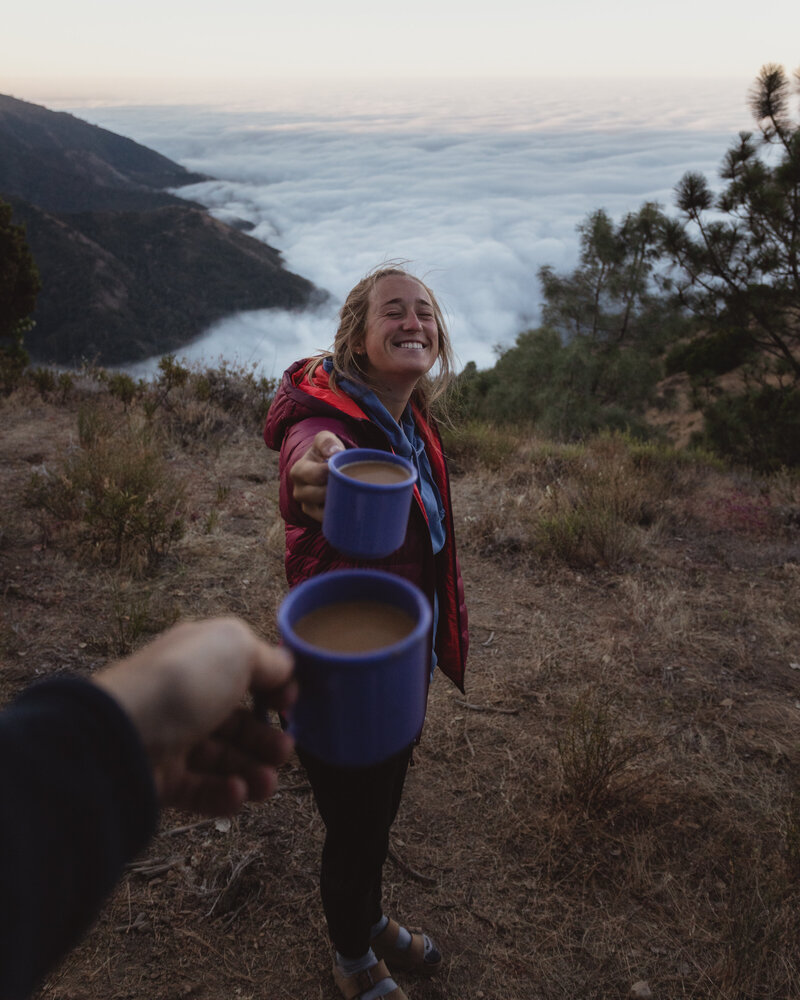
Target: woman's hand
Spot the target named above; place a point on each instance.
(309, 474)
(184, 693)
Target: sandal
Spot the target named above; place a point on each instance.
(410, 959)
(355, 986)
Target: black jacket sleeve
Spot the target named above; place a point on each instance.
(78, 802)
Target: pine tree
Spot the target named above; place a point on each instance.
(737, 254)
(736, 257)
(19, 286)
(609, 296)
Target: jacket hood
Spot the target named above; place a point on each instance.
(299, 397)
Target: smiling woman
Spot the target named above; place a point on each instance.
(372, 390)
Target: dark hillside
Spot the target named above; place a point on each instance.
(129, 271)
(122, 286)
(63, 164)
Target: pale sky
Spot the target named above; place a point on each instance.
(158, 45)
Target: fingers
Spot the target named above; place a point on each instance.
(242, 737)
(243, 745)
(271, 680)
(224, 795)
(309, 474)
(238, 763)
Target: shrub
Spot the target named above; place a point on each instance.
(117, 491)
(477, 442)
(236, 390)
(13, 362)
(135, 616)
(715, 354)
(209, 405)
(592, 517)
(66, 384)
(759, 429)
(122, 387)
(596, 754)
(96, 422)
(172, 373)
(44, 380)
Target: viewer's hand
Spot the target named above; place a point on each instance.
(310, 474)
(184, 693)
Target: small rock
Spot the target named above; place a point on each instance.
(641, 990)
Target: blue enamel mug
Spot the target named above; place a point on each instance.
(368, 501)
(361, 641)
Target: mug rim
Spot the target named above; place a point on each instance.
(348, 457)
(343, 577)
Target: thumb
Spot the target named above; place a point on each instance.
(326, 444)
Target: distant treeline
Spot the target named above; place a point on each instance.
(711, 291)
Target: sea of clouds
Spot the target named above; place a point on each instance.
(475, 185)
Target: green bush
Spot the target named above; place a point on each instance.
(477, 442)
(122, 387)
(44, 380)
(592, 514)
(118, 492)
(66, 384)
(568, 391)
(759, 429)
(208, 405)
(96, 422)
(13, 362)
(715, 354)
(172, 373)
(236, 390)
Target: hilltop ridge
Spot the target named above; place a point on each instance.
(129, 269)
(61, 163)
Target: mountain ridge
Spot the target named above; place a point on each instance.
(129, 270)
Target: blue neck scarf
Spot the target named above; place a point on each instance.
(405, 441)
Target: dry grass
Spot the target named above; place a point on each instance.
(615, 799)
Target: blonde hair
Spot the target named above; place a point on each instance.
(348, 361)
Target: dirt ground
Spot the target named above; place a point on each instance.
(696, 646)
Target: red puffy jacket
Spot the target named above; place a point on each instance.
(300, 410)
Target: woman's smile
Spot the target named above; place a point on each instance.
(401, 340)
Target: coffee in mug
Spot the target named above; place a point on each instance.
(354, 626)
(383, 473)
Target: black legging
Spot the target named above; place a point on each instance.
(358, 807)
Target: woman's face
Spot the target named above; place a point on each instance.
(401, 340)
